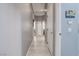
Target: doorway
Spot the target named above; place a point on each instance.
(39, 46)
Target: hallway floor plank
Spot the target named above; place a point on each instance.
(38, 47)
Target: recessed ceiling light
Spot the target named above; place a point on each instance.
(44, 10)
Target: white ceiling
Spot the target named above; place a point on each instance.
(38, 8)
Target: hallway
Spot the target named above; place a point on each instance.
(38, 47)
(27, 29)
(39, 29)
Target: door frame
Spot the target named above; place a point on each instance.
(58, 29)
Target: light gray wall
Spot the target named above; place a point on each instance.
(10, 35)
(26, 19)
(50, 27)
(15, 29)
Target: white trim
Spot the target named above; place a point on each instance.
(58, 30)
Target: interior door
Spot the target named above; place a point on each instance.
(69, 29)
